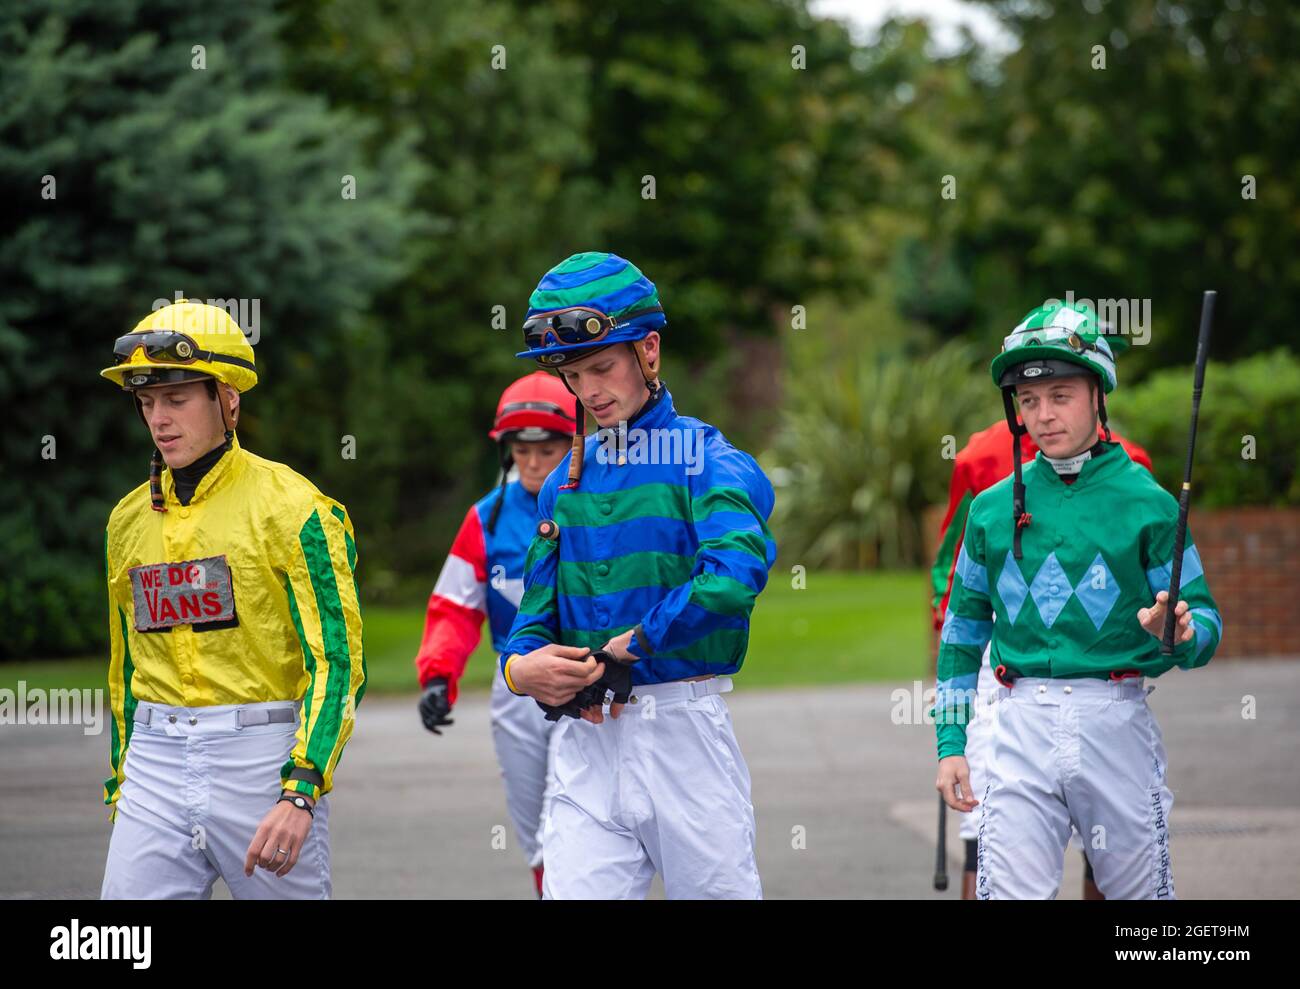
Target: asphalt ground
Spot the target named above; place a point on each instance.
(843, 796)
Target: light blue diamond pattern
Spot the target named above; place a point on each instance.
(1098, 601)
(1050, 589)
(1012, 588)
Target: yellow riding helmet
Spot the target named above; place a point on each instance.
(183, 341)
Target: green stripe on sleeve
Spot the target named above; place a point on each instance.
(722, 595)
(538, 550)
(334, 635)
(347, 538)
(740, 542)
(723, 499)
(948, 551)
(308, 657)
(129, 702)
(352, 565)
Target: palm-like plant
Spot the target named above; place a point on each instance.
(865, 445)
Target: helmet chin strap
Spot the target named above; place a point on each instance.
(506, 460)
(1101, 412)
(1019, 517)
(579, 438)
(156, 500)
(649, 370)
(229, 416)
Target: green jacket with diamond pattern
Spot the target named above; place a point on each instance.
(1094, 553)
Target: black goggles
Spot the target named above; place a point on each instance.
(576, 324)
(169, 347)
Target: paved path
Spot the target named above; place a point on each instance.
(414, 814)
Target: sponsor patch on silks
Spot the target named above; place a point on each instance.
(193, 592)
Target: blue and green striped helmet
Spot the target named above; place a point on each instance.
(597, 280)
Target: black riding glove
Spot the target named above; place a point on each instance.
(435, 706)
(616, 677)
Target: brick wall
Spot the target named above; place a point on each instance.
(1252, 561)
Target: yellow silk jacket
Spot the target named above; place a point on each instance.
(248, 594)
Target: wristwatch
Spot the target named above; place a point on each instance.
(299, 801)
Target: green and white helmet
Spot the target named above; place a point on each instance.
(1058, 340)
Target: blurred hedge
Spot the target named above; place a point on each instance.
(1253, 402)
(866, 441)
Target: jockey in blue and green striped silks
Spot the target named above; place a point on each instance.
(676, 551)
(653, 546)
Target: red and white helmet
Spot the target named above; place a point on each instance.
(534, 408)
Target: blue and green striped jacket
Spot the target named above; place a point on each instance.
(681, 549)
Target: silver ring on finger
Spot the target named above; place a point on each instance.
(281, 851)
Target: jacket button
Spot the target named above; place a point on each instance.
(184, 513)
(1068, 690)
(171, 718)
(187, 679)
(603, 570)
(606, 508)
(1042, 688)
(195, 721)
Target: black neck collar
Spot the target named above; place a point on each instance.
(188, 478)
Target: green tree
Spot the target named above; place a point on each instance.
(498, 117)
(174, 168)
(538, 123)
(1170, 170)
(866, 440)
